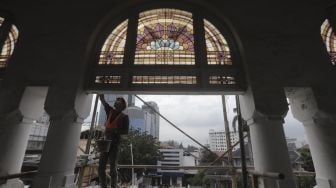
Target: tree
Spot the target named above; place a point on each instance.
(306, 159)
(145, 152)
(191, 148)
(199, 179)
(208, 157)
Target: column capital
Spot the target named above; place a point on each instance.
(258, 117)
(263, 104)
(61, 102)
(10, 98)
(15, 114)
(307, 108)
(70, 116)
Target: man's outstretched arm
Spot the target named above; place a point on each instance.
(102, 100)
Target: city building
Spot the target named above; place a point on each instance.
(38, 134)
(294, 155)
(152, 119)
(171, 157)
(177, 157)
(136, 118)
(56, 54)
(143, 119)
(217, 140)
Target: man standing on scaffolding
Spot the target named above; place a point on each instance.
(116, 124)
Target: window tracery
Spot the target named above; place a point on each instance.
(155, 50)
(8, 45)
(218, 52)
(113, 49)
(165, 37)
(329, 38)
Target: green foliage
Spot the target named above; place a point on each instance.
(306, 159)
(306, 181)
(145, 152)
(191, 148)
(199, 179)
(208, 157)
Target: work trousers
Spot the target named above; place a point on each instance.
(112, 157)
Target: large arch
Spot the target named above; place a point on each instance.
(204, 77)
(8, 36)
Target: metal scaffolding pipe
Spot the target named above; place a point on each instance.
(176, 167)
(18, 175)
(225, 152)
(172, 124)
(273, 175)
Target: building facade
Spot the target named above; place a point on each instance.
(143, 119)
(152, 119)
(136, 118)
(294, 155)
(217, 140)
(38, 134)
(171, 157)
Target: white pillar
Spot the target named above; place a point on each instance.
(58, 160)
(56, 169)
(320, 129)
(269, 147)
(14, 133)
(270, 153)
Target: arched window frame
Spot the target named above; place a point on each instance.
(8, 38)
(329, 39)
(200, 78)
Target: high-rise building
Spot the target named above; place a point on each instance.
(143, 119)
(217, 140)
(152, 119)
(136, 118)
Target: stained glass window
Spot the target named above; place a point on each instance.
(165, 37)
(113, 49)
(164, 80)
(329, 39)
(8, 47)
(107, 79)
(221, 80)
(218, 52)
(161, 54)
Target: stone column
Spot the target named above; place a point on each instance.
(59, 154)
(58, 160)
(265, 120)
(14, 132)
(320, 128)
(14, 135)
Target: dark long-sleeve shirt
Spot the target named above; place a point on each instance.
(114, 133)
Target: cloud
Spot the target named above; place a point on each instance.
(197, 114)
(194, 114)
